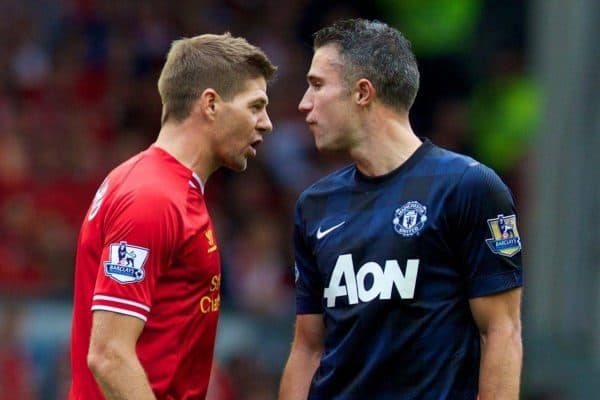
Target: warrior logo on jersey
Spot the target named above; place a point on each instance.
(505, 236)
(410, 218)
(126, 263)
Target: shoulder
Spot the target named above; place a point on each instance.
(470, 174)
(144, 208)
(479, 179)
(448, 161)
(149, 179)
(476, 191)
(141, 192)
(329, 184)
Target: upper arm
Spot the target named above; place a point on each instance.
(112, 357)
(114, 332)
(497, 312)
(309, 335)
(305, 357)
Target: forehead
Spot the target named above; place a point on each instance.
(326, 63)
(253, 89)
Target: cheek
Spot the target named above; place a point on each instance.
(335, 114)
(244, 119)
(244, 129)
(331, 105)
(325, 109)
(237, 124)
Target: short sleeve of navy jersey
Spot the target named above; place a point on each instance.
(308, 283)
(481, 198)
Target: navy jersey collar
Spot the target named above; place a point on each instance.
(412, 160)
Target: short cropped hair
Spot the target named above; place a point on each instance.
(221, 62)
(377, 52)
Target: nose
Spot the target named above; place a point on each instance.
(264, 124)
(305, 104)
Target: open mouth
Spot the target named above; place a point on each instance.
(254, 145)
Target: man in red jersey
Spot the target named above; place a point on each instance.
(147, 273)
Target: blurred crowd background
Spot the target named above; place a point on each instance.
(512, 83)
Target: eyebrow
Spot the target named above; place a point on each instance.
(263, 101)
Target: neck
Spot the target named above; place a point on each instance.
(187, 144)
(388, 141)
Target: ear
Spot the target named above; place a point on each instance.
(207, 103)
(364, 92)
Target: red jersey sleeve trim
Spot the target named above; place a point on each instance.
(120, 311)
(120, 300)
(119, 305)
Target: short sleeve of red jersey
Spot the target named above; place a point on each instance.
(490, 243)
(141, 231)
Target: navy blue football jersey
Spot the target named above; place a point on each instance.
(391, 262)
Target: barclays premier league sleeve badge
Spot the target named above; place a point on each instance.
(505, 236)
(126, 263)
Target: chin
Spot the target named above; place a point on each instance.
(239, 166)
(320, 145)
(325, 146)
(325, 143)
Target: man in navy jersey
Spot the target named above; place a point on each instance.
(408, 286)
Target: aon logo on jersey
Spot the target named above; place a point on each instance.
(384, 280)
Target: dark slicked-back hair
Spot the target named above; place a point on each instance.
(377, 52)
(221, 62)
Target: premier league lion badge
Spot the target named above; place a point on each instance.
(126, 263)
(505, 236)
(410, 218)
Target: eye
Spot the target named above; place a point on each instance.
(314, 83)
(256, 108)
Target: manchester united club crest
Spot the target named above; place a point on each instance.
(410, 218)
(505, 236)
(126, 263)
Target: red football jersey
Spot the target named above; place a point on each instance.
(147, 249)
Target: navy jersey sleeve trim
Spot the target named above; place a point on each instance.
(492, 284)
(308, 305)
